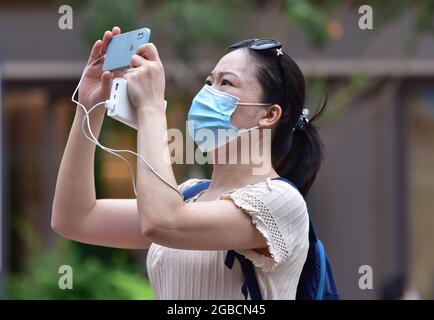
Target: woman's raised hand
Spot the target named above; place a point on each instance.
(146, 82)
(96, 84)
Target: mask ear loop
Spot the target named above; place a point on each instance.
(241, 131)
(110, 150)
(252, 104)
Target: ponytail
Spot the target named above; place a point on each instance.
(299, 154)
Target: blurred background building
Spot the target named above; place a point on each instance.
(373, 201)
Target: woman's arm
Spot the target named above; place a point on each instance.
(165, 218)
(76, 213)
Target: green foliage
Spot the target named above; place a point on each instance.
(102, 15)
(425, 16)
(311, 18)
(92, 277)
(185, 24)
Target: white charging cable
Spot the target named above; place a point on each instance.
(115, 152)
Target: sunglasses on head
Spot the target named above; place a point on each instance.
(261, 45)
(257, 44)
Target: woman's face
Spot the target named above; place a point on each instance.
(235, 74)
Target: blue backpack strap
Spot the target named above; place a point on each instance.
(250, 283)
(322, 276)
(195, 189)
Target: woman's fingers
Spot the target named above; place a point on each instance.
(105, 41)
(119, 73)
(137, 61)
(94, 53)
(106, 84)
(148, 51)
(108, 35)
(145, 54)
(100, 46)
(116, 30)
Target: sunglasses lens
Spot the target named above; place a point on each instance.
(265, 44)
(243, 43)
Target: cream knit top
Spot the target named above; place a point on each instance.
(278, 211)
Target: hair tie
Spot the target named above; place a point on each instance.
(303, 120)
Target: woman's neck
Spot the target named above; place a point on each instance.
(231, 176)
(252, 164)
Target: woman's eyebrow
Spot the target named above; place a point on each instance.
(223, 73)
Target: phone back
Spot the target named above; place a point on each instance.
(122, 47)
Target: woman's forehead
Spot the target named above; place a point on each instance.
(237, 61)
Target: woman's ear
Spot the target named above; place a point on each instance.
(271, 116)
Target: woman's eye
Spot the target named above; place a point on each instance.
(208, 82)
(226, 82)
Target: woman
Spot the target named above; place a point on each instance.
(258, 215)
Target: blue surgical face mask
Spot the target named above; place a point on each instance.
(209, 118)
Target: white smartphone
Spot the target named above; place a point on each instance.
(122, 47)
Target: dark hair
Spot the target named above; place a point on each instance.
(296, 155)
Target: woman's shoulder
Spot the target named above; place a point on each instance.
(272, 191)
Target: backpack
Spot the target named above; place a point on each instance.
(316, 280)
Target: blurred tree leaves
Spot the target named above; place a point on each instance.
(187, 23)
(311, 17)
(425, 16)
(102, 15)
(92, 279)
(111, 277)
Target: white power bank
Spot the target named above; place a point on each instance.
(119, 106)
